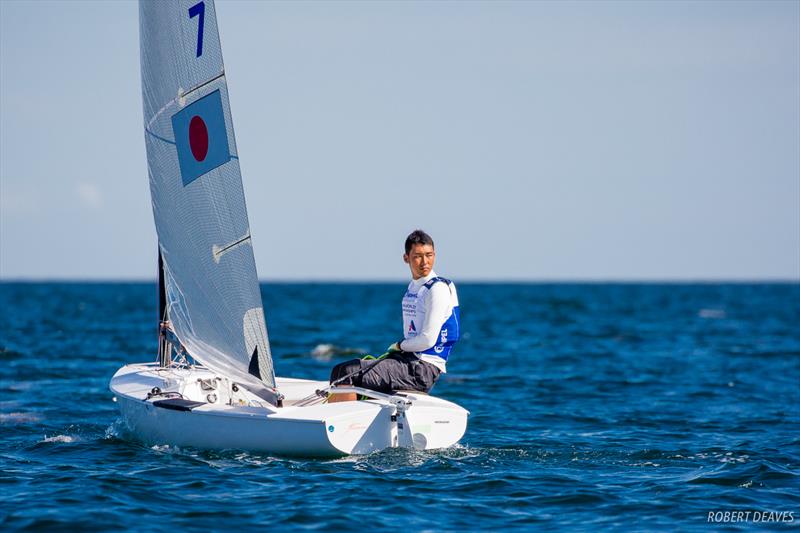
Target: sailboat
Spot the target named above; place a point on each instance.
(213, 385)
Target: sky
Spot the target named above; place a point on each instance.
(532, 140)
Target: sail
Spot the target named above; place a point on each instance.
(211, 286)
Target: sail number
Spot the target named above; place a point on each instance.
(198, 10)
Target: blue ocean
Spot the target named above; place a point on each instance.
(593, 407)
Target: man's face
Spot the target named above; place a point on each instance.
(420, 259)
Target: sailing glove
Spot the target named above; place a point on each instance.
(394, 347)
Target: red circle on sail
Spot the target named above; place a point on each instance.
(198, 138)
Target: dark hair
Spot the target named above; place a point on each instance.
(417, 237)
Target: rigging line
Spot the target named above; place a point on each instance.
(196, 87)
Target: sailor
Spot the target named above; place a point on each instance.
(430, 325)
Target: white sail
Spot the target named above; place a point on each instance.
(213, 297)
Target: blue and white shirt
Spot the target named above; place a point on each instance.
(431, 319)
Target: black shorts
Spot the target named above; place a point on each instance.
(397, 371)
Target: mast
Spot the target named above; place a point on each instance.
(162, 292)
(164, 347)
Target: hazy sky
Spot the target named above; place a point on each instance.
(533, 140)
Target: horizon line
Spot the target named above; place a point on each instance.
(376, 281)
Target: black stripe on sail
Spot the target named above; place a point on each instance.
(253, 369)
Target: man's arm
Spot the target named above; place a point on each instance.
(437, 310)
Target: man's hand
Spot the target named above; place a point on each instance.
(394, 347)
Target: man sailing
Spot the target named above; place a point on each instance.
(430, 325)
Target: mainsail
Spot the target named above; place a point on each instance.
(212, 292)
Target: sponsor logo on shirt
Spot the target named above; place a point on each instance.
(439, 348)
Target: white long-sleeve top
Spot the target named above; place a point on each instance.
(430, 318)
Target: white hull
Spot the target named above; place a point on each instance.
(183, 416)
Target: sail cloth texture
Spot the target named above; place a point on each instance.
(213, 296)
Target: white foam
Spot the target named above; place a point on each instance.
(60, 438)
(323, 351)
(118, 430)
(165, 448)
(711, 313)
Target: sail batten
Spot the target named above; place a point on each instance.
(184, 94)
(213, 299)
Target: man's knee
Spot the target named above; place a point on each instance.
(345, 369)
(379, 376)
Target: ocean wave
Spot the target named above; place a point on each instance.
(166, 448)
(731, 474)
(325, 352)
(61, 438)
(712, 313)
(19, 418)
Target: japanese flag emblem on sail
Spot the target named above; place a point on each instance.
(201, 137)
